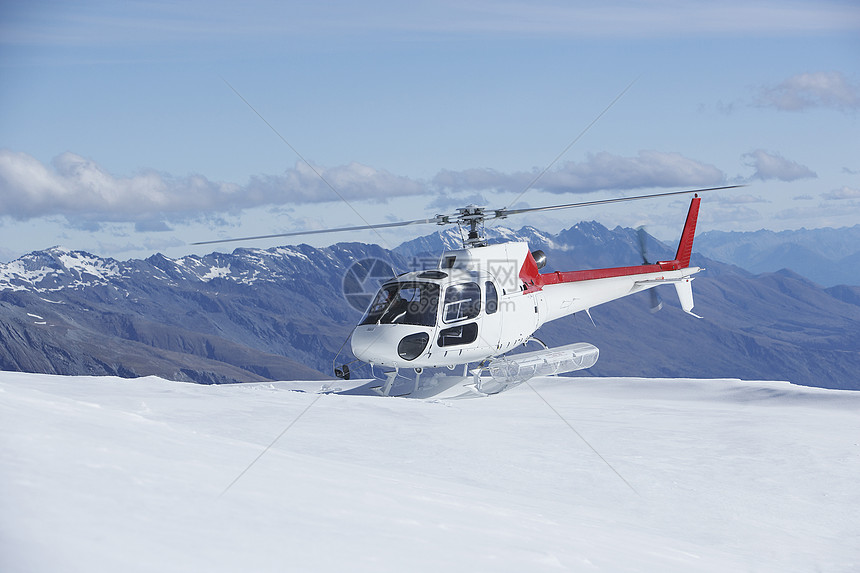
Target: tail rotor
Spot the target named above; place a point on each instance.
(656, 301)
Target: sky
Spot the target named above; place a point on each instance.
(133, 128)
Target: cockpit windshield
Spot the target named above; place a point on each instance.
(404, 303)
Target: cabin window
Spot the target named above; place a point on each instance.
(456, 335)
(462, 302)
(404, 303)
(492, 298)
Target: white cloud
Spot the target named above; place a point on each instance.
(82, 191)
(152, 226)
(480, 179)
(740, 199)
(86, 194)
(601, 171)
(78, 188)
(819, 89)
(774, 166)
(355, 181)
(842, 193)
(447, 202)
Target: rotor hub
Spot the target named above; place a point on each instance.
(473, 216)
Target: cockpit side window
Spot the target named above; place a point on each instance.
(462, 301)
(404, 303)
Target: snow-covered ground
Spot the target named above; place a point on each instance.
(106, 474)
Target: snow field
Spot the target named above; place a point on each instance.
(107, 474)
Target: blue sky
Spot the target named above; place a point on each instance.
(120, 135)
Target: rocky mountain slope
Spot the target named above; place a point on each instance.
(281, 314)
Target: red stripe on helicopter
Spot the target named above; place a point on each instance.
(535, 282)
(592, 274)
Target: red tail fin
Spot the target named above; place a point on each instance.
(685, 247)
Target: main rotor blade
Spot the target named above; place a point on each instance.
(461, 217)
(502, 213)
(321, 231)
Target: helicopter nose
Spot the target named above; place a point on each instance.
(389, 344)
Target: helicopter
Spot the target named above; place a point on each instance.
(483, 301)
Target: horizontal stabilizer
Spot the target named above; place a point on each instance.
(687, 276)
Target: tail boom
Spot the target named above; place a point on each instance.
(681, 261)
(572, 291)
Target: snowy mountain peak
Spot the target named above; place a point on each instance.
(87, 264)
(56, 268)
(589, 230)
(60, 268)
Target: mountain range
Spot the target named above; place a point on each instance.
(281, 313)
(826, 256)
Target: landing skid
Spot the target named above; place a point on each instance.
(435, 386)
(489, 377)
(430, 385)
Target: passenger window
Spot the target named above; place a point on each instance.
(457, 335)
(462, 302)
(492, 298)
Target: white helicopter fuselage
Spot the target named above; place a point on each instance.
(474, 313)
(483, 301)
